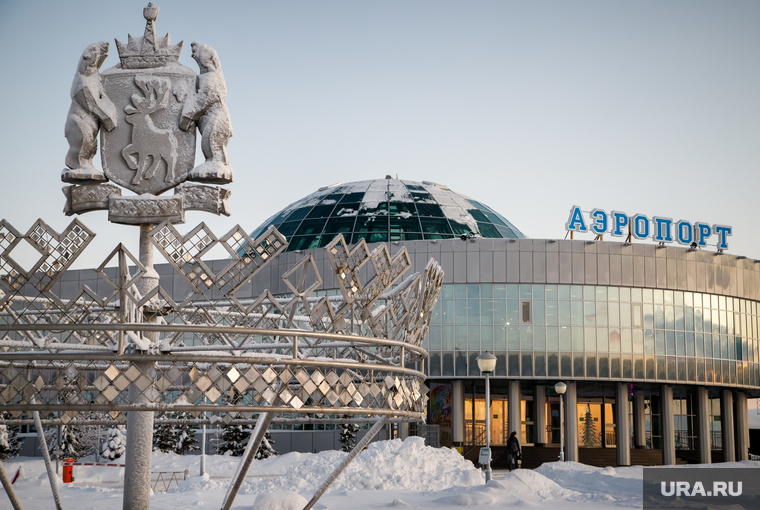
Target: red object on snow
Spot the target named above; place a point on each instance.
(16, 476)
(68, 471)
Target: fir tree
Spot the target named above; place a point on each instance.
(164, 438)
(348, 434)
(184, 439)
(69, 443)
(9, 444)
(235, 438)
(115, 444)
(265, 448)
(588, 429)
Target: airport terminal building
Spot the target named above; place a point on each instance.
(669, 331)
(658, 344)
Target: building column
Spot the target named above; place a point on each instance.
(514, 419)
(457, 413)
(571, 423)
(742, 427)
(539, 401)
(639, 421)
(668, 427)
(727, 425)
(623, 434)
(403, 430)
(703, 426)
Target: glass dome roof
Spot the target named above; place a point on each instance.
(385, 210)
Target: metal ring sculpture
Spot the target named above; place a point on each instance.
(90, 357)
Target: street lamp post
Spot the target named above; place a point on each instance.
(486, 364)
(560, 388)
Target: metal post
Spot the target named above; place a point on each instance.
(262, 424)
(9, 488)
(140, 423)
(561, 430)
(46, 457)
(59, 448)
(347, 460)
(488, 426)
(203, 451)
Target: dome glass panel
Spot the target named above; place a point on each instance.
(385, 210)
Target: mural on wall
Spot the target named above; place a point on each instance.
(440, 411)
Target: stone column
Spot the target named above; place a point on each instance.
(727, 425)
(703, 425)
(539, 401)
(403, 430)
(623, 433)
(639, 421)
(571, 423)
(515, 418)
(668, 427)
(457, 413)
(742, 427)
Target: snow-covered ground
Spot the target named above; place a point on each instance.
(387, 474)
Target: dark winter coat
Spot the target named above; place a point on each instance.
(513, 445)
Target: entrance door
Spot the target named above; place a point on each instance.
(554, 422)
(590, 425)
(475, 421)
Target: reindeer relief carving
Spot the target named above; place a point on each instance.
(150, 144)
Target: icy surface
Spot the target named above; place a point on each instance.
(388, 474)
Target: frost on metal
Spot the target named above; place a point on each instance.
(231, 357)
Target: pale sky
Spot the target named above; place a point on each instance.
(530, 107)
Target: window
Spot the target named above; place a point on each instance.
(525, 311)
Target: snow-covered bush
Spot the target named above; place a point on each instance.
(116, 441)
(235, 438)
(265, 448)
(179, 438)
(9, 444)
(164, 438)
(69, 442)
(185, 436)
(348, 435)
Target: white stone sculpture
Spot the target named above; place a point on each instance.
(207, 108)
(90, 108)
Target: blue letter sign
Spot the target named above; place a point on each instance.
(660, 229)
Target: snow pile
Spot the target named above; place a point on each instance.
(279, 501)
(557, 484)
(620, 484)
(384, 465)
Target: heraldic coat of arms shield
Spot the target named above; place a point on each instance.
(147, 109)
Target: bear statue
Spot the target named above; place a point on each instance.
(206, 107)
(90, 108)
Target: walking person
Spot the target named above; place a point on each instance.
(513, 451)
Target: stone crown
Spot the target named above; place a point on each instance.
(150, 50)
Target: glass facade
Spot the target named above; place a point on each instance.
(385, 210)
(595, 332)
